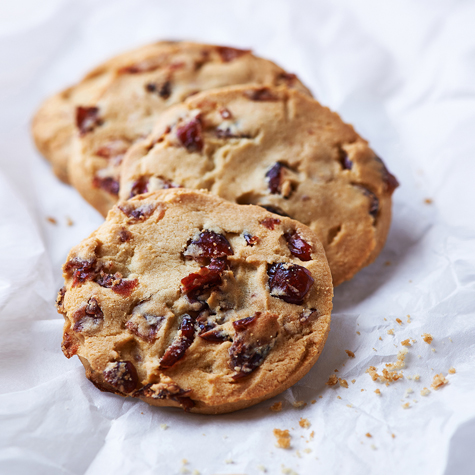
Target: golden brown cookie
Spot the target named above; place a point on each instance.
(279, 149)
(183, 299)
(120, 100)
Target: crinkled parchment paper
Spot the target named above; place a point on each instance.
(404, 74)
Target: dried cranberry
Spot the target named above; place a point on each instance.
(89, 317)
(165, 90)
(269, 223)
(246, 357)
(262, 94)
(181, 343)
(145, 326)
(227, 134)
(125, 235)
(275, 210)
(109, 184)
(208, 244)
(373, 200)
(216, 336)
(298, 247)
(150, 87)
(287, 78)
(69, 345)
(289, 282)
(389, 179)
(245, 323)
(137, 213)
(60, 300)
(346, 163)
(205, 279)
(190, 135)
(225, 113)
(251, 240)
(309, 314)
(229, 54)
(274, 178)
(87, 119)
(80, 270)
(139, 187)
(115, 282)
(122, 375)
(167, 391)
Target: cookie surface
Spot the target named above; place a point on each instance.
(183, 299)
(280, 149)
(119, 101)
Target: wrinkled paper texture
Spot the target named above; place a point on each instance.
(404, 74)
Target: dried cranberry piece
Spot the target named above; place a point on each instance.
(246, 357)
(138, 213)
(251, 240)
(167, 391)
(245, 323)
(115, 282)
(60, 299)
(190, 135)
(69, 345)
(165, 90)
(87, 119)
(208, 245)
(274, 178)
(80, 269)
(109, 184)
(275, 210)
(145, 326)
(309, 314)
(229, 54)
(298, 247)
(125, 235)
(181, 343)
(205, 279)
(139, 187)
(346, 163)
(89, 317)
(269, 223)
(289, 282)
(389, 179)
(122, 375)
(373, 200)
(150, 87)
(288, 78)
(216, 336)
(262, 94)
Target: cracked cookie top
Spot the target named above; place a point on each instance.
(183, 299)
(279, 149)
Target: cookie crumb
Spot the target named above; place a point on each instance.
(312, 434)
(368, 434)
(332, 380)
(408, 391)
(195, 472)
(358, 333)
(297, 453)
(51, 220)
(69, 221)
(385, 319)
(373, 446)
(380, 338)
(283, 438)
(438, 381)
(409, 319)
(427, 337)
(163, 426)
(349, 405)
(406, 342)
(288, 471)
(378, 392)
(425, 392)
(262, 468)
(299, 404)
(428, 201)
(276, 407)
(406, 406)
(338, 397)
(313, 401)
(184, 461)
(390, 331)
(353, 381)
(393, 436)
(350, 353)
(304, 423)
(450, 339)
(400, 363)
(343, 382)
(307, 450)
(184, 470)
(387, 376)
(399, 321)
(387, 263)
(230, 461)
(452, 370)
(416, 377)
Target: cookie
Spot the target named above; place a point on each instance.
(183, 299)
(279, 149)
(120, 100)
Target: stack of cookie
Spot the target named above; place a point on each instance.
(234, 203)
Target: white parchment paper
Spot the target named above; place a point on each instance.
(404, 74)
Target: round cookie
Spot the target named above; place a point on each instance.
(119, 101)
(280, 149)
(183, 299)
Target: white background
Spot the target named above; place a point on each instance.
(404, 74)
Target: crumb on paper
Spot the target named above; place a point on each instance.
(312, 434)
(313, 401)
(320, 397)
(358, 333)
(393, 436)
(378, 392)
(409, 319)
(400, 362)
(332, 380)
(184, 470)
(406, 406)
(427, 337)
(385, 319)
(416, 377)
(69, 221)
(262, 468)
(380, 338)
(452, 370)
(408, 391)
(184, 461)
(438, 381)
(399, 321)
(283, 438)
(406, 342)
(350, 353)
(336, 371)
(387, 377)
(428, 201)
(288, 471)
(387, 263)
(373, 446)
(390, 331)
(353, 381)
(425, 392)
(374, 349)
(276, 407)
(230, 461)
(195, 472)
(433, 350)
(413, 341)
(297, 453)
(343, 382)
(51, 220)
(304, 423)
(450, 339)
(299, 404)
(368, 434)
(363, 390)
(163, 426)
(349, 405)
(307, 450)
